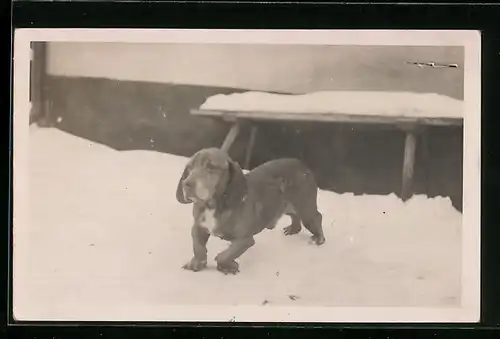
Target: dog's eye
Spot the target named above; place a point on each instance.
(211, 166)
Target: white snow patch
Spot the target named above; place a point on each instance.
(400, 104)
(106, 230)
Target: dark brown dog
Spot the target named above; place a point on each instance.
(233, 206)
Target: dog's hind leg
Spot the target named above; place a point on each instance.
(307, 212)
(295, 226)
(302, 197)
(313, 224)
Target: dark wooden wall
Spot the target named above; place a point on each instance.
(362, 159)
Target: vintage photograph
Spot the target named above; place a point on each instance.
(270, 176)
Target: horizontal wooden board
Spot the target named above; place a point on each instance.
(327, 117)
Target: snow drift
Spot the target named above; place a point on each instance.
(105, 230)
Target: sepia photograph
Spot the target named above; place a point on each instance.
(246, 176)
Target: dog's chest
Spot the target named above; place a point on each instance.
(208, 220)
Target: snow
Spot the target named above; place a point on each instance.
(375, 103)
(107, 239)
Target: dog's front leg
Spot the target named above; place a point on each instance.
(200, 238)
(226, 259)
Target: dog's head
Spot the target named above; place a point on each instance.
(210, 175)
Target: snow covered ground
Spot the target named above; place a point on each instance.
(106, 232)
(405, 104)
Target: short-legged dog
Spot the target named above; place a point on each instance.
(235, 206)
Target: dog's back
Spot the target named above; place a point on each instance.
(288, 173)
(282, 186)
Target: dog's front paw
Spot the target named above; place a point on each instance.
(195, 265)
(317, 240)
(231, 267)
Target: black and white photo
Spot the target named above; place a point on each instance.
(251, 175)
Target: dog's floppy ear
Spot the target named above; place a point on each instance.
(180, 192)
(236, 187)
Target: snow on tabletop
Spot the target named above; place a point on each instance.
(400, 104)
(106, 230)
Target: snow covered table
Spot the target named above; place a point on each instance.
(408, 111)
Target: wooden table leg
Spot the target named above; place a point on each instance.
(230, 137)
(426, 159)
(408, 163)
(250, 146)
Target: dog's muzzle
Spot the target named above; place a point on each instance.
(188, 189)
(194, 190)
